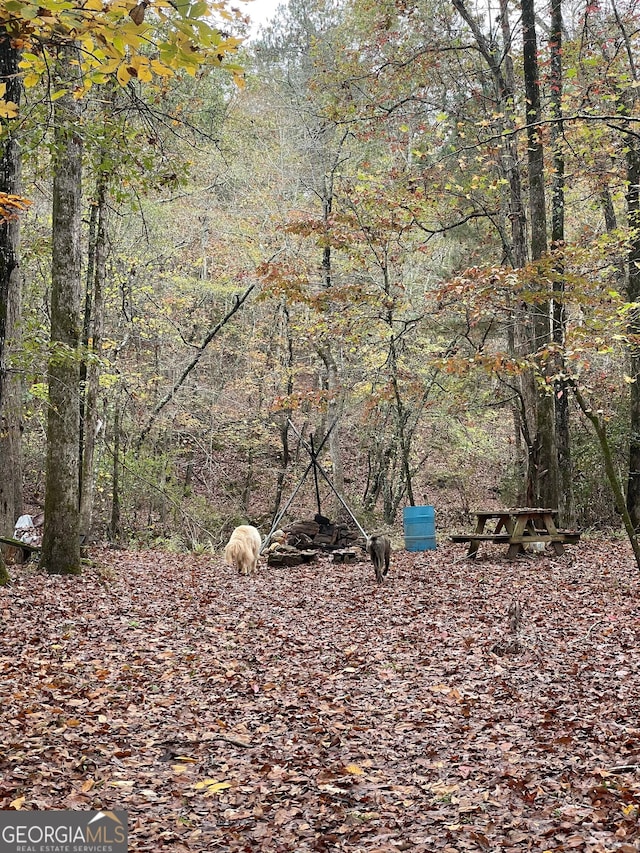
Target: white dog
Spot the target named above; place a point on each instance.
(243, 549)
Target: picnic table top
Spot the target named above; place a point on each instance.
(513, 510)
(522, 510)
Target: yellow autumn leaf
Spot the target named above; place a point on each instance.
(230, 44)
(179, 768)
(87, 42)
(238, 77)
(220, 786)
(30, 80)
(17, 803)
(205, 784)
(8, 109)
(211, 786)
(142, 68)
(161, 69)
(123, 75)
(109, 66)
(3, 89)
(354, 770)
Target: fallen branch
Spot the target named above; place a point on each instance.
(238, 301)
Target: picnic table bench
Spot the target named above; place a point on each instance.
(25, 547)
(517, 528)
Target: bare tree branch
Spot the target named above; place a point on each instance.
(238, 302)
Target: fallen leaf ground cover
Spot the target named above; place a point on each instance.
(307, 709)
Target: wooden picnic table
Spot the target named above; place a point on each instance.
(517, 528)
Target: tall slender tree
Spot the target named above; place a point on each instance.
(542, 485)
(627, 100)
(10, 296)
(559, 320)
(92, 343)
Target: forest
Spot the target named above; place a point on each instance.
(399, 239)
(407, 232)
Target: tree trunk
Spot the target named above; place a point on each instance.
(535, 419)
(334, 414)
(404, 440)
(627, 99)
(505, 86)
(283, 418)
(61, 540)
(542, 475)
(559, 319)
(612, 474)
(633, 293)
(10, 303)
(90, 423)
(333, 383)
(11, 423)
(114, 525)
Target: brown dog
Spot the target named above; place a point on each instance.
(379, 550)
(243, 549)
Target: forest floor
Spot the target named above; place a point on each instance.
(308, 709)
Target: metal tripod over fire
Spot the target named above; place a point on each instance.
(317, 468)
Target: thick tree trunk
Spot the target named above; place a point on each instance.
(61, 540)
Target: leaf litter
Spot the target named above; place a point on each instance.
(460, 706)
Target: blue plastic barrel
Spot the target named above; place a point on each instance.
(419, 528)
